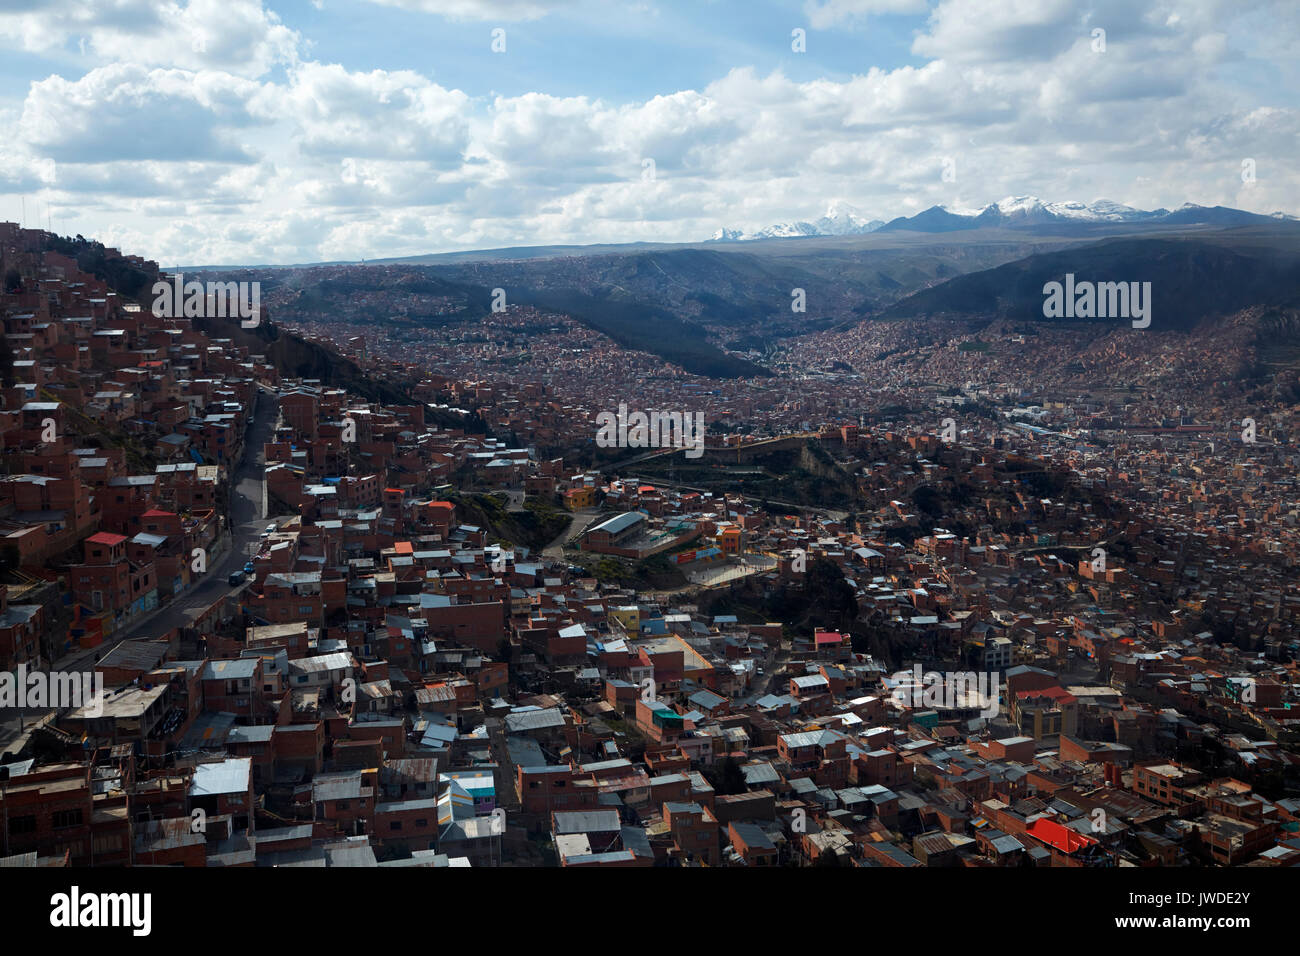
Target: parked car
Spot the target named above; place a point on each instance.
(237, 579)
(248, 567)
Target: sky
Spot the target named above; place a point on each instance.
(288, 131)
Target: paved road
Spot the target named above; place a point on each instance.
(578, 521)
(716, 575)
(248, 520)
(248, 514)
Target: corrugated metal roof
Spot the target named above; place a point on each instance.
(227, 776)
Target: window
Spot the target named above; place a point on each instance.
(20, 825)
(66, 818)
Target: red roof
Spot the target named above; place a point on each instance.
(1058, 836)
(105, 537)
(1058, 694)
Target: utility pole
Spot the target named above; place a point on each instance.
(4, 799)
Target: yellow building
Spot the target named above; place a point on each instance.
(629, 616)
(578, 499)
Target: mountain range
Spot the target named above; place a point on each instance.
(1014, 212)
(841, 219)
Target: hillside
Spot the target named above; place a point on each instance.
(1191, 279)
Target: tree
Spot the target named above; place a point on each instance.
(831, 594)
(728, 777)
(505, 650)
(927, 501)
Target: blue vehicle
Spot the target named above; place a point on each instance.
(248, 567)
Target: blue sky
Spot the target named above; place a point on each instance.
(290, 130)
(618, 52)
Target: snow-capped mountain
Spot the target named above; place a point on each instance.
(1025, 211)
(1013, 212)
(841, 219)
(1033, 209)
(1030, 211)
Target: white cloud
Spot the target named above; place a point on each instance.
(380, 114)
(235, 36)
(127, 112)
(320, 161)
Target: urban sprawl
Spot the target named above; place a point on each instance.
(1042, 614)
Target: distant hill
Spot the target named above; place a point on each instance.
(1191, 279)
(645, 327)
(723, 309)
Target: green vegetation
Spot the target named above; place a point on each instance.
(534, 528)
(821, 599)
(808, 475)
(655, 573)
(725, 776)
(124, 278)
